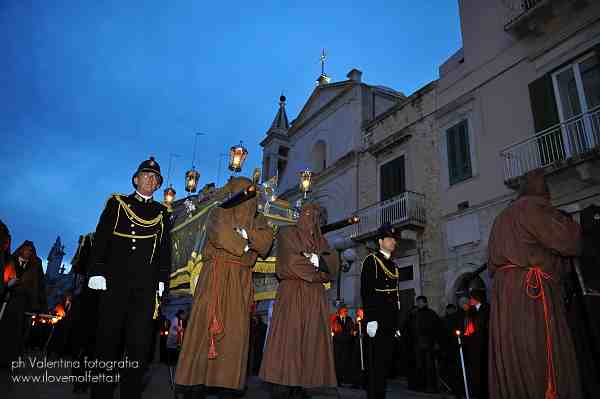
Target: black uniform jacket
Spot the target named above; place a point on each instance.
(379, 291)
(132, 244)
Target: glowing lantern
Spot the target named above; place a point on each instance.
(237, 156)
(305, 181)
(169, 196)
(191, 180)
(9, 273)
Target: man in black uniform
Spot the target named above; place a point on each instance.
(381, 302)
(130, 263)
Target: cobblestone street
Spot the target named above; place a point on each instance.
(159, 387)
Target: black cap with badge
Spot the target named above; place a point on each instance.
(149, 165)
(386, 230)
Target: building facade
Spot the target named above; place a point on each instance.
(522, 93)
(326, 138)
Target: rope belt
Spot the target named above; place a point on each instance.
(215, 326)
(534, 287)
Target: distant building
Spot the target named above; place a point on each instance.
(58, 283)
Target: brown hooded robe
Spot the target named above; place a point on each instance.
(223, 296)
(299, 349)
(531, 353)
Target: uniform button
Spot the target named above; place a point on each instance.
(133, 240)
(133, 248)
(132, 225)
(132, 232)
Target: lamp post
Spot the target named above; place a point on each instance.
(221, 156)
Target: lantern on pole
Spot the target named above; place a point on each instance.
(192, 176)
(237, 156)
(305, 182)
(169, 193)
(191, 180)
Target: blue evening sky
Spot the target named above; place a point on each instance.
(88, 89)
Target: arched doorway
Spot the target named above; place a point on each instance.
(466, 283)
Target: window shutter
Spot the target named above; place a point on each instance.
(392, 178)
(543, 103)
(452, 155)
(465, 151)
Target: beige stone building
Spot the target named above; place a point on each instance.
(326, 138)
(522, 93)
(399, 184)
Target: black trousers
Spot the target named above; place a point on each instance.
(380, 352)
(425, 372)
(124, 327)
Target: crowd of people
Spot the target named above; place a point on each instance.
(521, 343)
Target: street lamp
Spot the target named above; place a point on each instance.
(305, 182)
(237, 156)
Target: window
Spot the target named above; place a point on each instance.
(281, 165)
(392, 181)
(577, 90)
(405, 273)
(283, 151)
(459, 153)
(267, 168)
(319, 156)
(577, 87)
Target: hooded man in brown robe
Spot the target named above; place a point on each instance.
(215, 347)
(531, 354)
(299, 352)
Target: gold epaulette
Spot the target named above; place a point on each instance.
(379, 263)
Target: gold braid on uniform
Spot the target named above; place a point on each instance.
(385, 269)
(138, 221)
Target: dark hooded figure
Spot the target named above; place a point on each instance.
(4, 254)
(299, 350)
(215, 347)
(476, 343)
(531, 349)
(27, 290)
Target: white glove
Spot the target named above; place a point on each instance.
(314, 259)
(161, 288)
(243, 233)
(372, 328)
(398, 334)
(97, 283)
(246, 248)
(12, 282)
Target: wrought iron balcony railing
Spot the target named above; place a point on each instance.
(407, 208)
(571, 139)
(520, 10)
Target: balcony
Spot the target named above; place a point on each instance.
(405, 211)
(569, 143)
(523, 15)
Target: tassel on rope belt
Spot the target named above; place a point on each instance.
(215, 326)
(534, 287)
